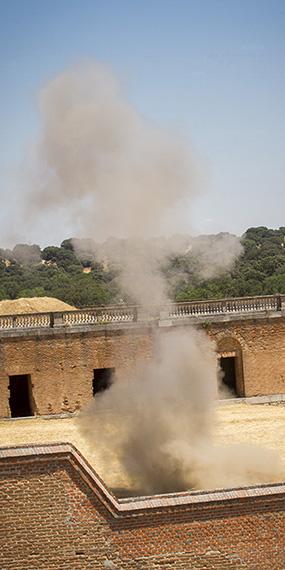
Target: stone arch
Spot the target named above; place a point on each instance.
(231, 334)
(229, 352)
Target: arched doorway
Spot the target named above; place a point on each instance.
(229, 353)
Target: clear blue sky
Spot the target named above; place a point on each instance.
(213, 69)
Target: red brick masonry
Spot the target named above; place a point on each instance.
(56, 513)
(61, 362)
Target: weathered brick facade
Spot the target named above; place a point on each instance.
(260, 344)
(56, 514)
(61, 365)
(61, 362)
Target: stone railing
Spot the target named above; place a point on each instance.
(100, 316)
(128, 314)
(26, 321)
(236, 305)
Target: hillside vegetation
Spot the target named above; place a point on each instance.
(81, 280)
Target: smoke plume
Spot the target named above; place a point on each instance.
(113, 173)
(158, 426)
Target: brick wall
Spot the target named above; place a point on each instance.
(56, 514)
(61, 364)
(262, 346)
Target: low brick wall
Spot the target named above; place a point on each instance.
(57, 514)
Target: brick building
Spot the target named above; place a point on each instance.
(56, 513)
(54, 363)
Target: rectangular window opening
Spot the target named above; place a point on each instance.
(102, 379)
(228, 366)
(20, 399)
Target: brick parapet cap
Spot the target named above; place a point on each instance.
(138, 505)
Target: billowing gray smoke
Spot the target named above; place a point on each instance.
(157, 428)
(112, 173)
(115, 174)
(164, 406)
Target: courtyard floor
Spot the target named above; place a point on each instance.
(236, 423)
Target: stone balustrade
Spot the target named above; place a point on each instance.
(237, 305)
(100, 316)
(26, 321)
(129, 314)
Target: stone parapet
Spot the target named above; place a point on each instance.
(194, 312)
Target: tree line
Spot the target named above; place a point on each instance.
(82, 280)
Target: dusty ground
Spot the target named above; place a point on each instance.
(261, 424)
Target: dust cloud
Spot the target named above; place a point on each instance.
(111, 172)
(114, 173)
(142, 261)
(158, 426)
(141, 421)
